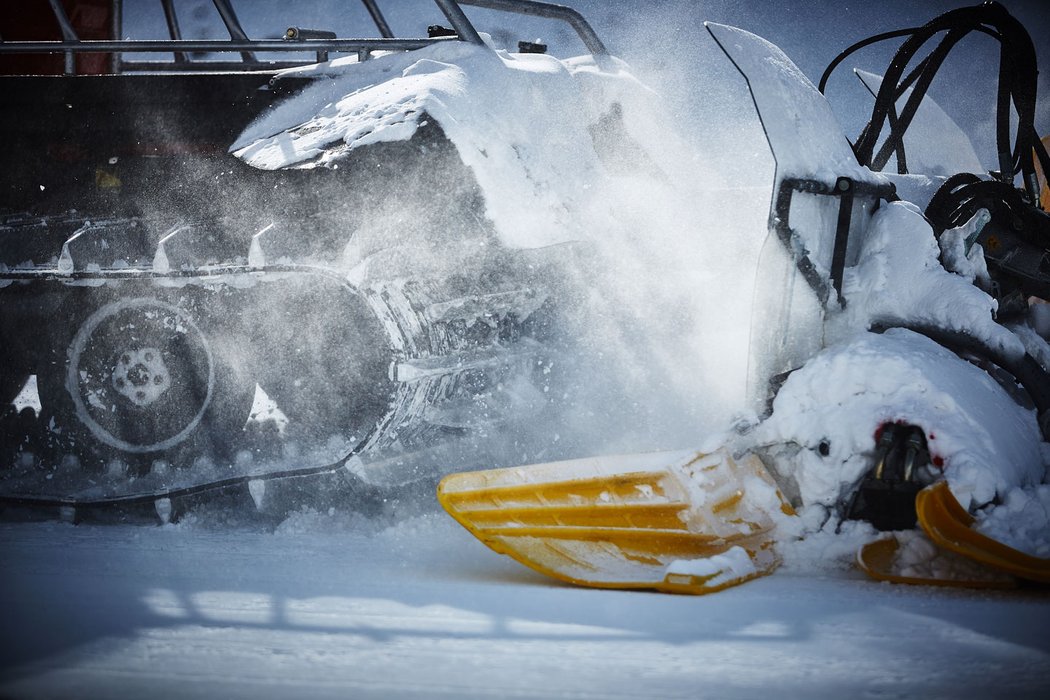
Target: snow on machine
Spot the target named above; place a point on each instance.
(900, 369)
(227, 265)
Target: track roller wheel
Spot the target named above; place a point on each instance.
(142, 382)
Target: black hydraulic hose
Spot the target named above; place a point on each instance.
(929, 68)
(896, 129)
(874, 40)
(856, 47)
(943, 207)
(1016, 84)
(1018, 78)
(895, 139)
(955, 19)
(1017, 88)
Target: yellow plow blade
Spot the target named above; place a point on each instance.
(949, 525)
(884, 560)
(1044, 187)
(682, 522)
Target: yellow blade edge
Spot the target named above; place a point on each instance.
(1044, 186)
(679, 522)
(880, 560)
(948, 524)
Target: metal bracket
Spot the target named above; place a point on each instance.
(846, 190)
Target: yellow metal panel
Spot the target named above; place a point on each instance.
(683, 522)
(949, 525)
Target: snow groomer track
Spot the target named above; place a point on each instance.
(155, 287)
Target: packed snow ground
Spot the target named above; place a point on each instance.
(330, 606)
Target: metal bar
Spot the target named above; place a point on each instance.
(378, 18)
(174, 33)
(454, 13)
(780, 222)
(233, 26)
(550, 11)
(229, 18)
(116, 28)
(237, 66)
(216, 45)
(239, 41)
(173, 28)
(844, 189)
(68, 34)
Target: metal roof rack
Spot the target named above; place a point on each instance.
(296, 40)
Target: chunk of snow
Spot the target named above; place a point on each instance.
(899, 280)
(734, 564)
(988, 443)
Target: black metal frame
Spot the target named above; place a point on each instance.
(296, 41)
(846, 189)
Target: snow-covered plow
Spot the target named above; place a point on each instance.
(954, 551)
(684, 522)
(228, 262)
(896, 344)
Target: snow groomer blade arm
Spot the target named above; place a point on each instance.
(949, 525)
(679, 522)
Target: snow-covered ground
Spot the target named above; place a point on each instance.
(325, 606)
(410, 605)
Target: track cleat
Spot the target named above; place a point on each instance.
(164, 509)
(257, 490)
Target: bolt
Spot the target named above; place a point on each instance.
(139, 375)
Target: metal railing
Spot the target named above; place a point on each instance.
(297, 41)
